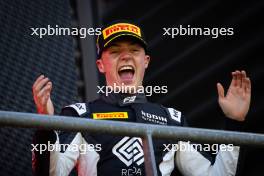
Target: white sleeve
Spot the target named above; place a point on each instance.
(192, 163)
(87, 165)
(61, 164)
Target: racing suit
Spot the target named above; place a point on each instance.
(104, 154)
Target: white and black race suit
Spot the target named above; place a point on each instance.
(87, 154)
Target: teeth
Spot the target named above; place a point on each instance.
(126, 68)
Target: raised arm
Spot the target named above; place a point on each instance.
(41, 90)
(52, 161)
(235, 104)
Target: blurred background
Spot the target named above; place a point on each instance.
(189, 65)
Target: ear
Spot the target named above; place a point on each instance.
(146, 60)
(100, 65)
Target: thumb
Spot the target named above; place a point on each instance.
(47, 92)
(49, 86)
(45, 99)
(220, 90)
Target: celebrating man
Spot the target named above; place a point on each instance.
(122, 58)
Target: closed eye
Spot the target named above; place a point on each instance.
(135, 49)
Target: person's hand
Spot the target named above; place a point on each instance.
(41, 92)
(235, 104)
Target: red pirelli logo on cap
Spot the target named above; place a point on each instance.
(110, 115)
(121, 27)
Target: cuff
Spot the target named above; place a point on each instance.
(234, 125)
(43, 136)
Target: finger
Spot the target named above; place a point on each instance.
(46, 89)
(248, 85)
(234, 74)
(239, 78)
(243, 71)
(44, 93)
(47, 93)
(220, 90)
(243, 82)
(41, 84)
(37, 81)
(233, 82)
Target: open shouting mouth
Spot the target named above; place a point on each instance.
(126, 74)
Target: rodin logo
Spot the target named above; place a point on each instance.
(129, 150)
(153, 118)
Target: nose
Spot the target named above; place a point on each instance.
(126, 55)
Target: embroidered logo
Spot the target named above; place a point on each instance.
(129, 150)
